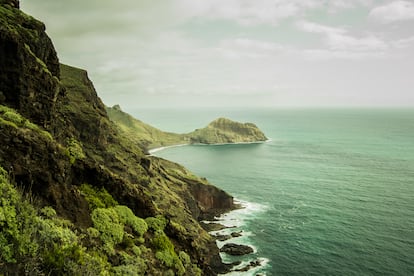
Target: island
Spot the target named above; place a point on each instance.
(219, 131)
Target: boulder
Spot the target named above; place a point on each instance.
(236, 249)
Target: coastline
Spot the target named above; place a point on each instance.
(153, 150)
(232, 222)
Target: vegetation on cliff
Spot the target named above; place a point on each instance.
(78, 196)
(219, 131)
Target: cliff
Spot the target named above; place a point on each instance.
(219, 131)
(78, 196)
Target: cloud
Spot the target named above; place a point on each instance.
(403, 43)
(393, 12)
(321, 54)
(342, 44)
(246, 12)
(239, 48)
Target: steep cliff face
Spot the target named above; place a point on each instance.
(30, 67)
(55, 138)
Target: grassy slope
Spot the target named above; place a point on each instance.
(143, 134)
(219, 131)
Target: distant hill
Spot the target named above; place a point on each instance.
(219, 131)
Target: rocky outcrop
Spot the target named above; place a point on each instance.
(29, 69)
(251, 265)
(222, 131)
(55, 135)
(236, 249)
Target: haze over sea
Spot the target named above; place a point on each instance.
(332, 193)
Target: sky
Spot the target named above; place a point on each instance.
(238, 53)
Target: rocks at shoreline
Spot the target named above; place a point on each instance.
(227, 237)
(251, 265)
(236, 249)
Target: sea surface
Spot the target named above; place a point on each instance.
(332, 192)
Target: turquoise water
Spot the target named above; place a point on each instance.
(332, 192)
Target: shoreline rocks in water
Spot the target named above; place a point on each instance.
(251, 265)
(236, 249)
(220, 237)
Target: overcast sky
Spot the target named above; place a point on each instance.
(238, 52)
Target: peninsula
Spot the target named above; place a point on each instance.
(219, 131)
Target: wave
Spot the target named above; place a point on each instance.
(236, 222)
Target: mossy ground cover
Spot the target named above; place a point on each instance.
(10, 117)
(35, 239)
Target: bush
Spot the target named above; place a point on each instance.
(157, 223)
(127, 217)
(97, 198)
(107, 222)
(16, 223)
(165, 252)
(74, 150)
(130, 265)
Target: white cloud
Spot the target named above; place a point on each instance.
(247, 12)
(339, 40)
(320, 54)
(403, 43)
(394, 11)
(248, 48)
(318, 28)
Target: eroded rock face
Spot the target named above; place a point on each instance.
(29, 67)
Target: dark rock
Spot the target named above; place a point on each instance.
(227, 237)
(236, 249)
(29, 67)
(237, 234)
(222, 237)
(212, 226)
(251, 265)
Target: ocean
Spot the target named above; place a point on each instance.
(332, 192)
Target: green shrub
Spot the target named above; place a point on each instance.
(127, 217)
(48, 212)
(166, 258)
(51, 231)
(12, 118)
(107, 222)
(185, 259)
(157, 223)
(16, 223)
(166, 254)
(97, 198)
(62, 259)
(130, 265)
(161, 242)
(74, 150)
